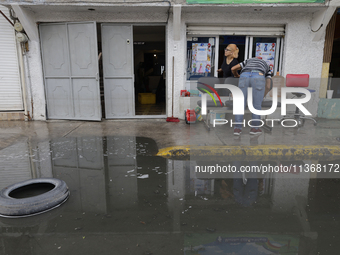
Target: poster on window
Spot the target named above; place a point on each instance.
(201, 58)
(267, 52)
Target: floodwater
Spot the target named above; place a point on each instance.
(125, 200)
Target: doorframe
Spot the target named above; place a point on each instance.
(166, 79)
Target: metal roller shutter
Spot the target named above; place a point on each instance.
(277, 30)
(10, 87)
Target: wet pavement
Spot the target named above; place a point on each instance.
(126, 200)
(168, 134)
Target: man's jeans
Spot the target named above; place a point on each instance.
(258, 83)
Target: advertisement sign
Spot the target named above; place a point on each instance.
(267, 52)
(201, 58)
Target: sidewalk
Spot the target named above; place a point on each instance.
(172, 137)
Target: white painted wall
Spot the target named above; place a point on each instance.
(33, 67)
(36, 82)
(303, 55)
(176, 49)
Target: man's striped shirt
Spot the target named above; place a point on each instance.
(256, 64)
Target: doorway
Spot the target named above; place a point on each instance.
(149, 70)
(334, 69)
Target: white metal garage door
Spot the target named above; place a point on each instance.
(10, 87)
(69, 53)
(118, 71)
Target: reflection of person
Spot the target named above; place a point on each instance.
(253, 74)
(230, 60)
(245, 186)
(224, 190)
(245, 194)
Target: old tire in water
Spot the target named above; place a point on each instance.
(13, 204)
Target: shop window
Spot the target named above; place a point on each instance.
(268, 48)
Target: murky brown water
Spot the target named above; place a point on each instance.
(125, 200)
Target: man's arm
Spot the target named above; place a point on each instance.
(268, 73)
(234, 70)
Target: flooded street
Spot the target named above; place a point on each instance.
(126, 200)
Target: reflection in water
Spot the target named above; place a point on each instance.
(125, 200)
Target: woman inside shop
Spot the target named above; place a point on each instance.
(230, 60)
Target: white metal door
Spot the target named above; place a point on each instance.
(117, 43)
(69, 52)
(10, 86)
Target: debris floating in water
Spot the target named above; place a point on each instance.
(144, 176)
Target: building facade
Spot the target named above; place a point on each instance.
(94, 60)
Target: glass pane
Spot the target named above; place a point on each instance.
(266, 48)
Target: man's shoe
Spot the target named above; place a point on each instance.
(237, 131)
(255, 131)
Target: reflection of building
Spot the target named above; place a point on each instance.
(63, 75)
(122, 196)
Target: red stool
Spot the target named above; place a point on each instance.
(298, 81)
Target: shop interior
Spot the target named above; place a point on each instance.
(334, 69)
(224, 41)
(100, 67)
(240, 41)
(149, 67)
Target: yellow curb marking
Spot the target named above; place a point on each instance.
(259, 150)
